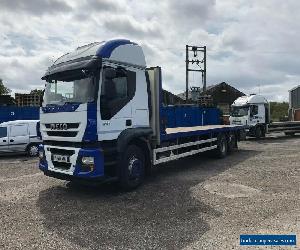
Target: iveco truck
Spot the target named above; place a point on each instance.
(253, 111)
(103, 118)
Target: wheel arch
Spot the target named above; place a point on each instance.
(30, 144)
(139, 137)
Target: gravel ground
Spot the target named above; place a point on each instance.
(193, 203)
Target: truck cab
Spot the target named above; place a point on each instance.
(253, 112)
(92, 95)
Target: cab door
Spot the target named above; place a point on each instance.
(117, 90)
(3, 139)
(254, 115)
(18, 137)
(261, 115)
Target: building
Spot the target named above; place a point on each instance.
(221, 94)
(32, 99)
(170, 99)
(294, 104)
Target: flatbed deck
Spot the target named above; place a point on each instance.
(284, 126)
(177, 132)
(205, 139)
(288, 123)
(198, 128)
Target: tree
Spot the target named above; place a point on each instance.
(37, 91)
(279, 110)
(3, 90)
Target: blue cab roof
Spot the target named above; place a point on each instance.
(101, 49)
(107, 48)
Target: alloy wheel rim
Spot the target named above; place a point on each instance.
(33, 151)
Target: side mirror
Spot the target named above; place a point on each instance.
(110, 73)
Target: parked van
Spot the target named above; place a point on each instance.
(20, 136)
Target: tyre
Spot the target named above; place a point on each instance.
(132, 168)
(263, 131)
(222, 147)
(32, 150)
(232, 142)
(258, 132)
(289, 133)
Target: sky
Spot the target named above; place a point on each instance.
(252, 45)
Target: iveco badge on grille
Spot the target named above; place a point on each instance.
(58, 126)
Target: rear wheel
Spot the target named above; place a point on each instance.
(32, 150)
(132, 168)
(222, 147)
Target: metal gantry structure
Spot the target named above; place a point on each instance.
(195, 60)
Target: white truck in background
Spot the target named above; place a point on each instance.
(253, 111)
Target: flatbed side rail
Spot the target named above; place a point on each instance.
(172, 152)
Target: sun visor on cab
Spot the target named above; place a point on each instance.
(58, 70)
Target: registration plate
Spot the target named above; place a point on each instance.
(61, 158)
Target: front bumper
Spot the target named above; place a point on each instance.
(74, 169)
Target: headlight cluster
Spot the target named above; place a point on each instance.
(87, 163)
(87, 160)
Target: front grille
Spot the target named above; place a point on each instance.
(62, 133)
(69, 125)
(61, 165)
(60, 151)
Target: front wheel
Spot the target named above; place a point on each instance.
(258, 132)
(132, 168)
(32, 150)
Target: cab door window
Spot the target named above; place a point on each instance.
(117, 89)
(253, 110)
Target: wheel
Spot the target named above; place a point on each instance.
(263, 133)
(232, 142)
(132, 168)
(222, 147)
(32, 150)
(258, 132)
(289, 133)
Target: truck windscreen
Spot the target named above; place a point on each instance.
(239, 111)
(78, 89)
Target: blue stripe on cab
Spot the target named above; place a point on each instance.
(108, 47)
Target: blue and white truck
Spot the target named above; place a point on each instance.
(103, 118)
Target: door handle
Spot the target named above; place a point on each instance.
(4, 140)
(11, 140)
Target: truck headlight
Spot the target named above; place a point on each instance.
(86, 160)
(41, 154)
